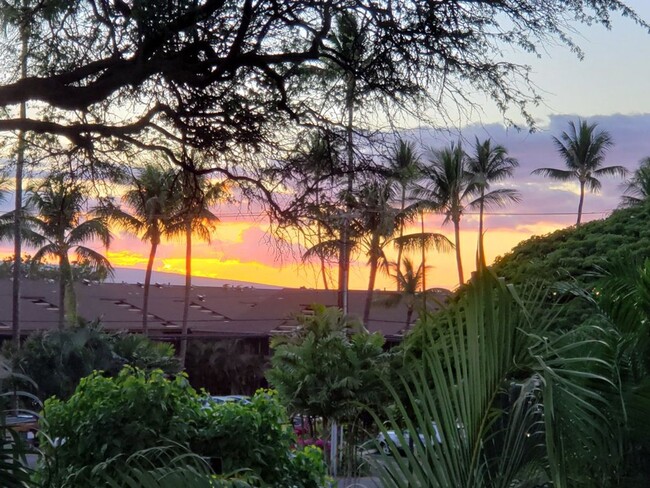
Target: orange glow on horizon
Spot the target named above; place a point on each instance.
(259, 266)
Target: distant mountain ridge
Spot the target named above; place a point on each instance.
(130, 275)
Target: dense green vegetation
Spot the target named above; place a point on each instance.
(57, 360)
(572, 253)
(109, 417)
(517, 400)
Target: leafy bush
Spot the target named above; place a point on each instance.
(116, 417)
(107, 417)
(258, 436)
(57, 360)
(573, 252)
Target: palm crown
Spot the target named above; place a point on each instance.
(60, 226)
(583, 149)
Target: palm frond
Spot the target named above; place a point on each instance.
(556, 174)
(95, 228)
(509, 396)
(430, 240)
(95, 259)
(324, 249)
(612, 171)
(497, 198)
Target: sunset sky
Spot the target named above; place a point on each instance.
(610, 87)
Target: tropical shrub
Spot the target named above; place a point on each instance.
(328, 369)
(109, 420)
(56, 360)
(573, 252)
(495, 396)
(141, 352)
(257, 436)
(329, 365)
(118, 416)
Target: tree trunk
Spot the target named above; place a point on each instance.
(582, 201)
(481, 248)
(62, 288)
(342, 292)
(459, 259)
(323, 269)
(188, 286)
(424, 267)
(401, 233)
(409, 315)
(147, 287)
(374, 263)
(18, 213)
(70, 294)
(345, 251)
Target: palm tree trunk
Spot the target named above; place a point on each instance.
(323, 269)
(188, 286)
(424, 267)
(409, 315)
(67, 299)
(147, 287)
(401, 231)
(20, 162)
(459, 259)
(62, 287)
(70, 294)
(374, 264)
(345, 244)
(582, 201)
(481, 249)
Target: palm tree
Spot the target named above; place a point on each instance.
(448, 190)
(18, 193)
(194, 218)
(405, 168)
(349, 53)
(637, 188)
(61, 228)
(377, 223)
(490, 164)
(583, 149)
(151, 202)
(409, 284)
(315, 162)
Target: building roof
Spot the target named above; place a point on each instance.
(214, 311)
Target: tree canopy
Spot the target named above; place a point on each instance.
(223, 72)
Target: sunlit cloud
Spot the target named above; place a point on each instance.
(565, 186)
(126, 258)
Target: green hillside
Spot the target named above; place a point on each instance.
(574, 251)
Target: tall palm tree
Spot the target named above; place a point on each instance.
(405, 168)
(490, 164)
(448, 189)
(62, 228)
(583, 149)
(194, 219)
(637, 187)
(18, 193)
(150, 200)
(346, 66)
